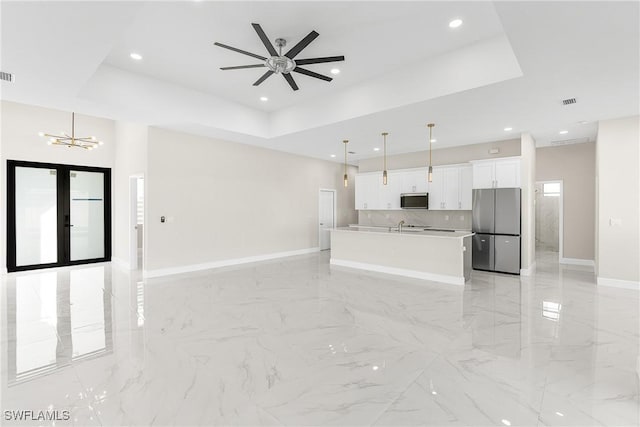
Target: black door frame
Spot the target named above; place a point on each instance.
(63, 207)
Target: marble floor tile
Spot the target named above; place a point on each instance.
(297, 342)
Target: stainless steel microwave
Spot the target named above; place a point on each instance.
(414, 200)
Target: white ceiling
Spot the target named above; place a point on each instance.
(509, 64)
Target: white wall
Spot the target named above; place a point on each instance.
(130, 159)
(528, 224)
(443, 156)
(618, 198)
(20, 141)
(226, 201)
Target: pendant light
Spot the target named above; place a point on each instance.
(69, 141)
(346, 177)
(430, 126)
(384, 144)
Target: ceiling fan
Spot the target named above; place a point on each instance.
(277, 63)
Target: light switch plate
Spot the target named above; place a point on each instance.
(615, 222)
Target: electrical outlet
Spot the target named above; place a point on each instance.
(446, 217)
(461, 217)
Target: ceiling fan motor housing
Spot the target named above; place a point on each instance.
(280, 64)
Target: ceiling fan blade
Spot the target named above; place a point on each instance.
(319, 60)
(239, 67)
(264, 77)
(312, 74)
(265, 39)
(244, 52)
(301, 45)
(289, 79)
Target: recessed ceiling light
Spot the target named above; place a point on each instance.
(583, 122)
(455, 23)
(434, 140)
(333, 155)
(335, 71)
(135, 56)
(563, 132)
(507, 129)
(376, 149)
(264, 99)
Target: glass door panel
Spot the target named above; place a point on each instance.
(36, 216)
(86, 222)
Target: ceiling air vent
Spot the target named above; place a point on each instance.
(7, 77)
(570, 141)
(569, 101)
(352, 152)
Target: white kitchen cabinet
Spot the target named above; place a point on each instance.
(483, 175)
(389, 195)
(498, 173)
(450, 189)
(414, 181)
(366, 192)
(508, 173)
(466, 186)
(436, 190)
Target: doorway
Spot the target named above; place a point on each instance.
(549, 217)
(136, 221)
(327, 217)
(57, 215)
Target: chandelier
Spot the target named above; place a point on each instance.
(88, 142)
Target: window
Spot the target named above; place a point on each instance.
(551, 189)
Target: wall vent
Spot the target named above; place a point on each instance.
(569, 101)
(7, 77)
(570, 141)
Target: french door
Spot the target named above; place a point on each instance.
(57, 215)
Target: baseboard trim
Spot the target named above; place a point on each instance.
(453, 280)
(528, 271)
(617, 283)
(578, 261)
(224, 263)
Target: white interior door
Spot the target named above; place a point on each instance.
(327, 217)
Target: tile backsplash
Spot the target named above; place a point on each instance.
(458, 220)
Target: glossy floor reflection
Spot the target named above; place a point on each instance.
(295, 342)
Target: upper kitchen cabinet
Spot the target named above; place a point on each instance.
(414, 181)
(450, 188)
(496, 173)
(366, 192)
(466, 186)
(389, 195)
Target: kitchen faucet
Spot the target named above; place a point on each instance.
(400, 224)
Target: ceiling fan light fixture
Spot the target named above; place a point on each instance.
(280, 64)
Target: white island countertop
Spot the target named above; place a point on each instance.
(406, 231)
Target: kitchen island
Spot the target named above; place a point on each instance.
(440, 256)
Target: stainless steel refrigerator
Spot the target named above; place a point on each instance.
(496, 222)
